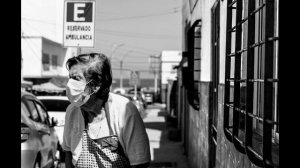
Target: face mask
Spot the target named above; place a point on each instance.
(75, 92)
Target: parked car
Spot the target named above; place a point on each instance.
(56, 106)
(137, 101)
(149, 97)
(39, 140)
(140, 96)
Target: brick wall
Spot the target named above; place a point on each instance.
(198, 148)
(198, 131)
(227, 156)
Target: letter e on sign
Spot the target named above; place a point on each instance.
(78, 11)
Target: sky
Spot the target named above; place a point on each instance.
(133, 29)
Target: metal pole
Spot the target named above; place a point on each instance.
(155, 83)
(78, 50)
(121, 68)
(114, 49)
(121, 74)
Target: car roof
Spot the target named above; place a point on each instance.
(24, 93)
(53, 97)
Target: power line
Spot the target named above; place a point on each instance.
(32, 27)
(135, 48)
(138, 34)
(36, 20)
(30, 47)
(139, 16)
(132, 46)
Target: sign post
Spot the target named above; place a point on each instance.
(79, 23)
(134, 81)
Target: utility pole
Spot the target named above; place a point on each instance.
(121, 75)
(154, 68)
(121, 68)
(78, 50)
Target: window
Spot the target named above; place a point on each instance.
(54, 62)
(56, 105)
(194, 50)
(34, 112)
(46, 62)
(42, 113)
(251, 116)
(24, 111)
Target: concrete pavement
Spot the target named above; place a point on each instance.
(164, 153)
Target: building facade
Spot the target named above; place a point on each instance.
(168, 62)
(228, 80)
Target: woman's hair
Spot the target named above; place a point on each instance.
(98, 70)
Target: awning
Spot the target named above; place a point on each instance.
(48, 87)
(26, 84)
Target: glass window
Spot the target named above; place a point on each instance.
(24, 111)
(42, 113)
(46, 62)
(34, 113)
(56, 105)
(254, 74)
(54, 62)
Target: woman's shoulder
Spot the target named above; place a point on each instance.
(116, 98)
(71, 111)
(123, 104)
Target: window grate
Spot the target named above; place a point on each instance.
(194, 63)
(255, 80)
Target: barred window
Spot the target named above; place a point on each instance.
(194, 62)
(251, 116)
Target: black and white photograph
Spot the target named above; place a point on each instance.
(150, 84)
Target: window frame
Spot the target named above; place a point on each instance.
(269, 103)
(46, 119)
(38, 118)
(193, 86)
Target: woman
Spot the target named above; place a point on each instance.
(102, 129)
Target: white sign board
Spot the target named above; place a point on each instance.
(79, 23)
(134, 78)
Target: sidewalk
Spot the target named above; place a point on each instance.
(164, 153)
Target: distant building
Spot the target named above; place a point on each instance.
(169, 60)
(43, 59)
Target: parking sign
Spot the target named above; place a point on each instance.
(79, 27)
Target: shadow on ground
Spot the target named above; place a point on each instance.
(167, 152)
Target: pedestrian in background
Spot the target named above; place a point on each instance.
(102, 129)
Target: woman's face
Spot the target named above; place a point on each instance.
(76, 72)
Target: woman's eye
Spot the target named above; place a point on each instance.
(78, 78)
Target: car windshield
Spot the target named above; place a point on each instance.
(56, 105)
